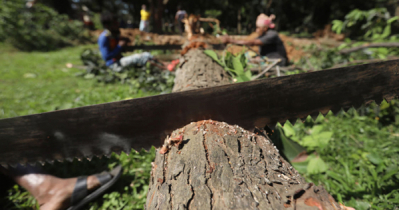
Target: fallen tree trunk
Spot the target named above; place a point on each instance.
(219, 166)
(198, 70)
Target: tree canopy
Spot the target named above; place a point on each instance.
(293, 16)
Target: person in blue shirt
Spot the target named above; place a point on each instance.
(111, 47)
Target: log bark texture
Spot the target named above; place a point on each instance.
(220, 166)
(198, 70)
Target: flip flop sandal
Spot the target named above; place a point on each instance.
(80, 196)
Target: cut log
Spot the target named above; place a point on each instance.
(198, 70)
(219, 166)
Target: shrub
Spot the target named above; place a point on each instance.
(38, 28)
(146, 78)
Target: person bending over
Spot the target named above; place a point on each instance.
(270, 44)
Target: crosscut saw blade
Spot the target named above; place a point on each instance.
(141, 123)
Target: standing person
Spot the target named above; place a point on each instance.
(180, 15)
(270, 44)
(88, 23)
(145, 18)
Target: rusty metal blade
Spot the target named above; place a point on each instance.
(142, 123)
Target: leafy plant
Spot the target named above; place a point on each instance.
(354, 154)
(39, 28)
(374, 24)
(234, 65)
(213, 13)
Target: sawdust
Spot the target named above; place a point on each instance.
(194, 45)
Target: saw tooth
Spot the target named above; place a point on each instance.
(351, 111)
(89, 158)
(33, 164)
(127, 152)
(292, 121)
(5, 165)
(379, 100)
(124, 153)
(329, 113)
(50, 161)
(14, 165)
(320, 118)
(341, 112)
(299, 121)
(383, 102)
(99, 156)
(362, 110)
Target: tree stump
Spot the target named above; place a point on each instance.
(198, 70)
(219, 166)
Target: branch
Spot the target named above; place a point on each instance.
(267, 69)
(372, 45)
(363, 62)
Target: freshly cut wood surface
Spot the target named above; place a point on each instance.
(221, 166)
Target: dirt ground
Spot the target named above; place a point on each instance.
(294, 46)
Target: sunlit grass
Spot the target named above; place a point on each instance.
(35, 82)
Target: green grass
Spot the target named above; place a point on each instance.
(354, 155)
(39, 82)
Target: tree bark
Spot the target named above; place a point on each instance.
(198, 70)
(219, 166)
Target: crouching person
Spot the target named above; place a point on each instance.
(111, 46)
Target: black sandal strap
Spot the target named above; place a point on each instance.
(103, 178)
(80, 190)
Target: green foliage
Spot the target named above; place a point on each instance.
(213, 13)
(354, 155)
(39, 28)
(54, 87)
(146, 78)
(234, 65)
(374, 24)
(325, 57)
